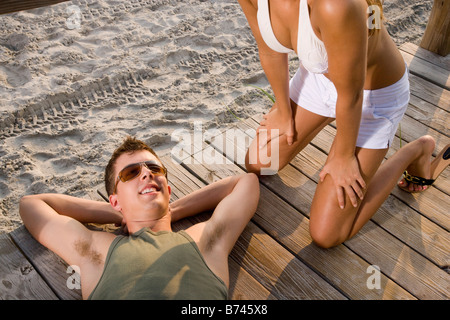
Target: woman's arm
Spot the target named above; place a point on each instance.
(276, 69)
(344, 32)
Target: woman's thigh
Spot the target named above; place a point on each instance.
(329, 224)
(307, 126)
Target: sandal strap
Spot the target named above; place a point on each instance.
(417, 180)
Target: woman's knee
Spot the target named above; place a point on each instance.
(326, 235)
(325, 241)
(262, 161)
(252, 166)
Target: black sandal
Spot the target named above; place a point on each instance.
(417, 180)
(438, 165)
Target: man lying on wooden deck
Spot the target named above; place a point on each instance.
(152, 262)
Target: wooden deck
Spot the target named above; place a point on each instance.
(9, 6)
(407, 239)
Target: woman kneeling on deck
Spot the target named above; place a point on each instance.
(352, 72)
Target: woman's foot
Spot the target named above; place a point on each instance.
(421, 166)
(441, 162)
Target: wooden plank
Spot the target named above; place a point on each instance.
(342, 267)
(427, 70)
(9, 6)
(411, 129)
(243, 286)
(285, 276)
(269, 263)
(401, 263)
(436, 275)
(440, 61)
(423, 89)
(50, 266)
(429, 115)
(18, 278)
(429, 92)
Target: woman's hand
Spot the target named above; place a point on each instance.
(275, 119)
(347, 178)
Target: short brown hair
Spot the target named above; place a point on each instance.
(129, 145)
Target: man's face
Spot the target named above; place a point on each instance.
(145, 197)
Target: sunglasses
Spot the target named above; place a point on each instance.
(134, 170)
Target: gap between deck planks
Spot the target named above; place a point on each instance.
(427, 65)
(50, 266)
(18, 278)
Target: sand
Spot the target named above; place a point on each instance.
(74, 81)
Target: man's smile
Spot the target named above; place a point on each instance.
(149, 188)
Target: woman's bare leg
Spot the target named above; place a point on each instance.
(330, 226)
(307, 126)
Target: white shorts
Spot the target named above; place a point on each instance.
(382, 109)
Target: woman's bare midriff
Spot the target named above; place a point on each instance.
(385, 64)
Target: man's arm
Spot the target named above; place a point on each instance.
(204, 199)
(55, 221)
(233, 213)
(235, 200)
(209, 197)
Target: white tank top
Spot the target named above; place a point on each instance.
(310, 49)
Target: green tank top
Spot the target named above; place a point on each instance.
(157, 266)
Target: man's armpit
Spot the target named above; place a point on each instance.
(214, 235)
(84, 249)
